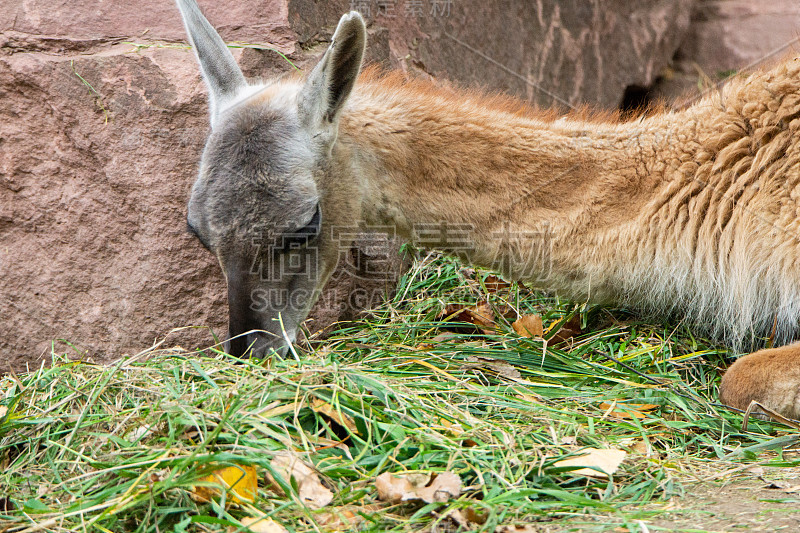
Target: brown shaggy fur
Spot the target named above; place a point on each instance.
(692, 212)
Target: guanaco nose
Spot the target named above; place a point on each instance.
(255, 344)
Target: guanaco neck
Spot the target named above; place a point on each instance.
(455, 174)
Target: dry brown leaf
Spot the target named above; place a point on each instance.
(570, 328)
(321, 407)
(310, 489)
(506, 311)
(640, 447)
(464, 519)
(441, 337)
(480, 315)
(494, 283)
(607, 460)
(439, 488)
(627, 411)
(501, 368)
(528, 326)
(259, 525)
(240, 481)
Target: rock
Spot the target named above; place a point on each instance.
(89, 21)
(726, 36)
(561, 54)
(100, 140)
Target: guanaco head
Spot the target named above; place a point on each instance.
(261, 203)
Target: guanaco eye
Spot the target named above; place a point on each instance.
(298, 238)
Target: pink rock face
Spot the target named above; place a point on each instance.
(100, 142)
(560, 54)
(93, 193)
(731, 34)
(91, 20)
(726, 37)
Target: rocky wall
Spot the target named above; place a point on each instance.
(103, 118)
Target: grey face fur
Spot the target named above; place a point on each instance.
(259, 204)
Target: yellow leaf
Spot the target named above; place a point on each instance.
(240, 481)
(607, 460)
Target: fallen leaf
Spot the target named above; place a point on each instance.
(468, 272)
(570, 328)
(438, 488)
(629, 411)
(480, 315)
(311, 491)
(506, 311)
(143, 431)
(640, 447)
(441, 337)
(494, 283)
(528, 326)
(240, 482)
(607, 460)
(501, 368)
(321, 443)
(321, 407)
(259, 525)
(569, 440)
(463, 520)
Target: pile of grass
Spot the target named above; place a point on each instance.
(120, 448)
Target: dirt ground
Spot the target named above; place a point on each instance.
(767, 501)
(742, 505)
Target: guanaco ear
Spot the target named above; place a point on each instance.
(220, 71)
(332, 80)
